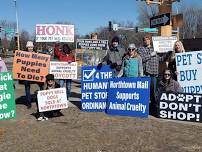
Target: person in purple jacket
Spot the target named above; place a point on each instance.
(3, 67)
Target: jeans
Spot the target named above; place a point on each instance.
(27, 91)
(68, 86)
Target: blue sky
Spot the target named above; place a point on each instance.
(86, 15)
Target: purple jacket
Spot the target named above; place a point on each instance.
(3, 67)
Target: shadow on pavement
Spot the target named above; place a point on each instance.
(76, 103)
(22, 99)
(75, 95)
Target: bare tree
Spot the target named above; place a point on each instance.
(192, 23)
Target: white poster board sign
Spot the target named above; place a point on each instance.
(54, 33)
(163, 44)
(63, 70)
(52, 99)
(189, 68)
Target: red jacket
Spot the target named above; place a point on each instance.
(64, 57)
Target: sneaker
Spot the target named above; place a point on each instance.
(45, 118)
(40, 119)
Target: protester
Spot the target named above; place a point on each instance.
(3, 67)
(93, 36)
(178, 48)
(132, 63)
(94, 60)
(114, 56)
(167, 83)
(30, 48)
(65, 55)
(151, 62)
(50, 84)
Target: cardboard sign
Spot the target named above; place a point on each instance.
(63, 70)
(92, 44)
(180, 106)
(163, 44)
(30, 66)
(52, 99)
(128, 97)
(189, 68)
(54, 33)
(94, 86)
(7, 98)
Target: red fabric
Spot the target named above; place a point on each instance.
(64, 57)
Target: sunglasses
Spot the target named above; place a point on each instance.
(168, 74)
(131, 49)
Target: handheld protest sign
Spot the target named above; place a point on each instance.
(128, 97)
(180, 106)
(63, 70)
(30, 66)
(91, 44)
(7, 98)
(52, 99)
(163, 44)
(94, 87)
(189, 68)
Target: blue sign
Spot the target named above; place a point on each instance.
(94, 87)
(129, 97)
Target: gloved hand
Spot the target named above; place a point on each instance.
(113, 65)
(127, 57)
(153, 53)
(99, 66)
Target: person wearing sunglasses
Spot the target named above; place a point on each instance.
(132, 63)
(167, 83)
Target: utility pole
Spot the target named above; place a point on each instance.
(165, 6)
(17, 33)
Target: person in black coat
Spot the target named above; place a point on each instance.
(50, 84)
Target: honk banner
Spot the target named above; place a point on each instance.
(54, 33)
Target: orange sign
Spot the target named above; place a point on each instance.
(30, 66)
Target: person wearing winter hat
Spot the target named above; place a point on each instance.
(114, 56)
(50, 84)
(30, 48)
(132, 63)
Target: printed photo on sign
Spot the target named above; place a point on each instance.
(7, 98)
(30, 66)
(128, 97)
(94, 86)
(180, 106)
(52, 99)
(189, 68)
(63, 70)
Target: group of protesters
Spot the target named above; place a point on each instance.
(144, 61)
(130, 62)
